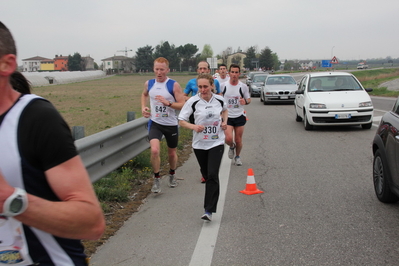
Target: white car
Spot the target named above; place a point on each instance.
(278, 88)
(333, 99)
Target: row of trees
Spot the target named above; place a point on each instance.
(78, 63)
(185, 57)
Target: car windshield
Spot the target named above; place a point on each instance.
(260, 78)
(252, 74)
(333, 83)
(280, 80)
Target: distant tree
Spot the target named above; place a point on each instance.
(207, 52)
(144, 58)
(276, 62)
(186, 54)
(75, 62)
(164, 49)
(251, 54)
(83, 63)
(95, 66)
(287, 65)
(266, 59)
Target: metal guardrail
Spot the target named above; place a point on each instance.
(107, 150)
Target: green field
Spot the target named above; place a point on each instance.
(373, 78)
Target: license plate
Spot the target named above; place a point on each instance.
(343, 116)
(284, 97)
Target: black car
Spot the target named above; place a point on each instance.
(386, 157)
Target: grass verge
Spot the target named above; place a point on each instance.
(373, 78)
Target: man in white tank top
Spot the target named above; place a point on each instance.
(165, 96)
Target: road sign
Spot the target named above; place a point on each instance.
(334, 60)
(325, 63)
(213, 62)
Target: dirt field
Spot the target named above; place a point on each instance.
(99, 104)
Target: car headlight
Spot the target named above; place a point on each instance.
(317, 106)
(365, 104)
(271, 93)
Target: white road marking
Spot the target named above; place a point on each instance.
(203, 252)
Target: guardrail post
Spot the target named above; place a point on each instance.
(78, 132)
(131, 116)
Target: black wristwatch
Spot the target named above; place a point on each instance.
(15, 204)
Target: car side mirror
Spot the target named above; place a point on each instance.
(299, 92)
(369, 89)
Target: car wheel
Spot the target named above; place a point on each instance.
(367, 126)
(306, 122)
(381, 179)
(265, 102)
(298, 118)
(260, 97)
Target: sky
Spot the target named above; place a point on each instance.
(293, 29)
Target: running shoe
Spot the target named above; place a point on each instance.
(203, 180)
(156, 187)
(231, 151)
(207, 216)
(237, 161)
(172, 181)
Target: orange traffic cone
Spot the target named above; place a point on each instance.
(251, 188)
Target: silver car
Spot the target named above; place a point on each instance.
(278, 88)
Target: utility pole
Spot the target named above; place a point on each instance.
(126, 50)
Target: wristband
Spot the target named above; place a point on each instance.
(246, 103)
(15, 204)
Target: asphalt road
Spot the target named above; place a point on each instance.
(318, 205)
